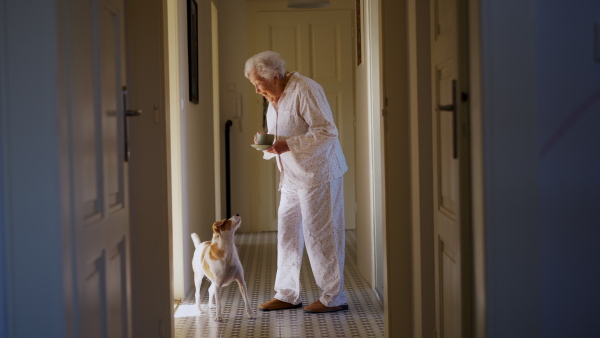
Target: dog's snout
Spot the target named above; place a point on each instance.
(237, 214)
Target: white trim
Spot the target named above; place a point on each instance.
(416, 97)
(216, 107)
(377, 165)
(173, 92)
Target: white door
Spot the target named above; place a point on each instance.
(100, 172)
(450, 156)
(317, 44)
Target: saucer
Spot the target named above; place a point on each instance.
(260, 146)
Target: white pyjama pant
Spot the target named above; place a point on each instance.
(314, 216)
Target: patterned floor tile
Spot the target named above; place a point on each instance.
(258, 253)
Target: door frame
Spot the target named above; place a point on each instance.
(34, 172)
(420, 155)
(175, 170)
(374, 59)
(423, 267)
(398, 284)
(478, 303)
(151, 233)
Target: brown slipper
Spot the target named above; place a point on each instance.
(318, 307)
(276, 304)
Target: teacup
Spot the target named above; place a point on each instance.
(265, 139)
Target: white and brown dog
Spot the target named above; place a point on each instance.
(218, 260)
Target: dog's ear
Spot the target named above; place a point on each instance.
(219, 223)
(222, 225)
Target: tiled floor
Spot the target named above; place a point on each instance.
(258, 253)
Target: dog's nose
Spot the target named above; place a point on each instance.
(237, 214)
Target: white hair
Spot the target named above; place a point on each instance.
(266, 65)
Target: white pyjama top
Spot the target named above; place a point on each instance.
(305, 121)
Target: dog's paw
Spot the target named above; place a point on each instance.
(252, 315)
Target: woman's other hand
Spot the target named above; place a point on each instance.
(278, 148)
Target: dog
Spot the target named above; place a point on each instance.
(218, 260)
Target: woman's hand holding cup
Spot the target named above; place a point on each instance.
(256, 137)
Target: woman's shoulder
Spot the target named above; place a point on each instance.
(304, 80)
(305, 83)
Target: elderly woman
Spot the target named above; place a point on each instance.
(312, 165)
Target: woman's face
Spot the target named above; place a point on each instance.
(265, 87)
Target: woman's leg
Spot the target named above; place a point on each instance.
(290, 247)
(324, 233)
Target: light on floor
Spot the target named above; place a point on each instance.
(187, 310)
(308, 3)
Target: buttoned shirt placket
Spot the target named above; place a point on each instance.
(278, 155)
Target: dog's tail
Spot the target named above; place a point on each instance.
(196, 239)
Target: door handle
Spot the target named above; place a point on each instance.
(454, 110)
(127, 113)
(132, 113)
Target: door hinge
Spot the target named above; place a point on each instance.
(161, 328)
(156, 115)
(384, 110)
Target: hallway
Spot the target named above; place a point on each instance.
(258, 253)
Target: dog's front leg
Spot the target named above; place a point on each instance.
(217, 295)
(244, 292)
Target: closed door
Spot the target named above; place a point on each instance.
(450, 168)
(101, 217)
(317, 44)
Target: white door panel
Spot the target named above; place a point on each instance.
(448, 161)
(99, 170)
(447, 165)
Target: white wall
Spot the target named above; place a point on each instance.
(233, 55)
(197, 131)
(197, 137)
(569, 150)
(363, 163)
(364, 215)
